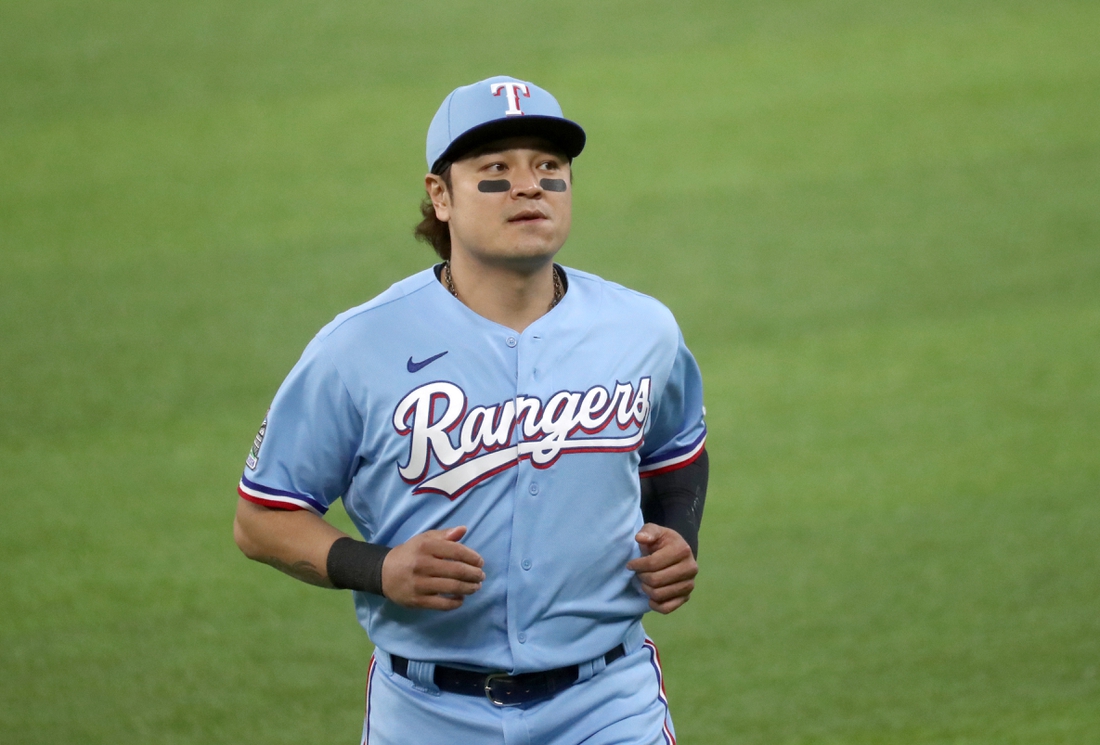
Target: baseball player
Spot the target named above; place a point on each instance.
(520, 446)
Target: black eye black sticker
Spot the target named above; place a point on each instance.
(495, 185)
(552, 184)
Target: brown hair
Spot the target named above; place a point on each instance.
(431, 229)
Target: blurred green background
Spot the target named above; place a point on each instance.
(877, 222)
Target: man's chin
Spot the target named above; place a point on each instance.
(524, 258)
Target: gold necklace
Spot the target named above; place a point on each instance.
(449, 283)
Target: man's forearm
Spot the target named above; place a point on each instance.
(296, 542)
(675, 500)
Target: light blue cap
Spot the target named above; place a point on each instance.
(495, 108)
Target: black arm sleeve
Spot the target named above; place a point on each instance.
(675, 499)
(355, 565)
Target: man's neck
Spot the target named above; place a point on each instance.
(512, 297)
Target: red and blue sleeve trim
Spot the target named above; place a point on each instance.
(277, 498)
(674, 459)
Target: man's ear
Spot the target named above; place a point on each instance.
(440, 196)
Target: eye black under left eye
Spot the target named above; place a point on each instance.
(494, 185)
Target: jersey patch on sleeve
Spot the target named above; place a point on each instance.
(253, 458)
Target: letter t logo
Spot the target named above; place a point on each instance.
(512, 91)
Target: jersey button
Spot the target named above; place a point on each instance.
(526, 564)
(522, 637)
(510, 341)
(533, 488)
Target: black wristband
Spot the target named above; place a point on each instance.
(676, 499)
(355, 565)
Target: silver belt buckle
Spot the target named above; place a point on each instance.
(489, 690)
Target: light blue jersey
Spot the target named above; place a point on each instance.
(421, 415)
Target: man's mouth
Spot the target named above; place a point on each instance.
(527, 216)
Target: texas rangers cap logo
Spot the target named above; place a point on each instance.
(512, 92)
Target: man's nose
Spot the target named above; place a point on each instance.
(525, 182)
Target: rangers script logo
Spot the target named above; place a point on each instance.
(485, 446)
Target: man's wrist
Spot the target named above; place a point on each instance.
(355, 565)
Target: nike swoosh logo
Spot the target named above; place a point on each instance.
(418, 366)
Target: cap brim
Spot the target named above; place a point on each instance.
(563, 133)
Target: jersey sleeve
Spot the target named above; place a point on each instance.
(305, 452)
(678, 433)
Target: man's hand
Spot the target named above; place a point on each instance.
(666, 568)
(432, 570)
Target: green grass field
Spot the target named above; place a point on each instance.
(877, 222)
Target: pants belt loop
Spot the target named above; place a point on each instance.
(382, 657)
(634, 638)
(422, 674)
(590, 669)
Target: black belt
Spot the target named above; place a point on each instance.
(501, 688)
